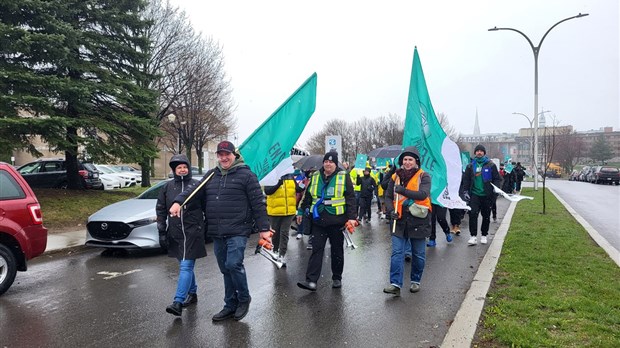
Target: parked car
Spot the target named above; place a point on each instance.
(125, 180)
(52, 173)
(22, 234)
(128, 224)
(134, 174)
(109, 182)
(583, 173)
(574, 175)
(605, 174)
(590, 174)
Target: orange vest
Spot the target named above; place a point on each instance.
(412, 185)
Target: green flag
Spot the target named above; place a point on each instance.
(268, 150)
(439, 155)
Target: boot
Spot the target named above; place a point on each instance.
(190, 299)
(175, 308)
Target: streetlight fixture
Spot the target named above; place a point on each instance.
(171, 119)
(536, 51)
(531, 121)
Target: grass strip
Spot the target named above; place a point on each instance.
(553, 286)
(65, 210)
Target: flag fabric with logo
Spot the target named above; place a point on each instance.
(268, 150)
(440, 156)
(360, 161)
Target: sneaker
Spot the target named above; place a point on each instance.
(309, 247)
(175, 308)
(223, 314)
(448, 237)
(336, 284)
(431, 243)
(299, 236)
(473, 240)
(392, 289)
(283, 260)
(307, 285)
(457, 230)
(190, 299)
(242, 309)
(415, 287)
(483, 239)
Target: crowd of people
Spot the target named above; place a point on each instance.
(228, 204)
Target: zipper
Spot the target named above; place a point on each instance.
(182, 224)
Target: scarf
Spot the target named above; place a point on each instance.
(406, 175)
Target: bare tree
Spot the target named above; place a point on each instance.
(570, 151)
(447, 127)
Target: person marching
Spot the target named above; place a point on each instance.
(234, 203)
(409, 191)
(182, 236)
(281, 208)
(477, 189)
(368, 187)
(331, 200)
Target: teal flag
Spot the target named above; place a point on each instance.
(382, 162)
(360, 161)
(268, 150)
(439, 155)
(465, 159)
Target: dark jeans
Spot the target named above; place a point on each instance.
(456, 215)
(494, 205)
(438, 216)
(480, 205)
(365, 207)
(518, 188)
(320, 234)
(229, 254)
(281, 225)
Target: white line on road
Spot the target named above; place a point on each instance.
(117, 274)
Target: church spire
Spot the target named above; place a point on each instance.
(476, 125)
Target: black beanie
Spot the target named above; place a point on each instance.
(331, 156)
(409, 151)
(481, 148)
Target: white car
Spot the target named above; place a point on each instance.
(126, 180)
(109, 182)
(135, 174)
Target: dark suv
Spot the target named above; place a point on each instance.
(22, 235)
(604, 174)
(51, 173)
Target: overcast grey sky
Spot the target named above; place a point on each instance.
(362, 52)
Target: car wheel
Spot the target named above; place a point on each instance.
(8, 268)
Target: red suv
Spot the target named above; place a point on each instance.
(22, 235)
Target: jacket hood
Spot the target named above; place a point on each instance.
(175, 161)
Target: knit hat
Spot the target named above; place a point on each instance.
(409, 151)
(331, 156)
(481, 148)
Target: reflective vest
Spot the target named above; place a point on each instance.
(375, 175)
(353, 173)
(412, 185)
(283, 202)
(333, 201)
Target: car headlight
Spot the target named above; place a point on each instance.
(143, 222)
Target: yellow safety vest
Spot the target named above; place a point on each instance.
(375, 175)
(334, 201)
(283, 201)
(353, 174)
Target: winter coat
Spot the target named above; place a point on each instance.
(409, 226)
(325, 218)
(234, 201)
(185, 235)
(490, 175)
(368, 186)
(508, 181)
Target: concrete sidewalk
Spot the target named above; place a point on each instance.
(59, 241)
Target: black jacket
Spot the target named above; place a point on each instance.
(325, 218)
(368, 186)
(468, 178)
(234, 201)
(185, 235)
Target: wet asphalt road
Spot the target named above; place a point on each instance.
(85, 299)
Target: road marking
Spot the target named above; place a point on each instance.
(117, 274)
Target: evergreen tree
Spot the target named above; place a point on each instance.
(600, 150)
(69, 66)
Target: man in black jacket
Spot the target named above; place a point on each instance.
(476, 188)
(368, 188)
(234, 202)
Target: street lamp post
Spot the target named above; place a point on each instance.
(536, 50)
(172, 118)
(531, 121)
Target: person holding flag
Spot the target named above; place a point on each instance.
(234, 203)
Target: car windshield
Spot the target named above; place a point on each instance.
(609, 170)
(105, 170)
(152, 192)
(89, 166)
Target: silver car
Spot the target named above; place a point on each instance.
(128, 224)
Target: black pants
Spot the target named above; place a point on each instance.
(365, 207)
(456, 215)
(482, 205)
(438, 216)
(518, 188)
(494, 205)
(320, 234)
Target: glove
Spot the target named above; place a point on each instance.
(466, 197)
(163, 240)
(400, 189)
(394, 215)
(161, 227)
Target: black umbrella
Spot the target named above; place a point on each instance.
(386, 151)
(312, 162)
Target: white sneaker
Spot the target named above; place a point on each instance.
(299, 236)
(281, 259)
(483, 239)
(473, 240)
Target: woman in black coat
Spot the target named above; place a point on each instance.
(183, 236)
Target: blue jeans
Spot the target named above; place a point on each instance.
(187, 280)
(229, 254)
(407, 247)
(397, 262)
